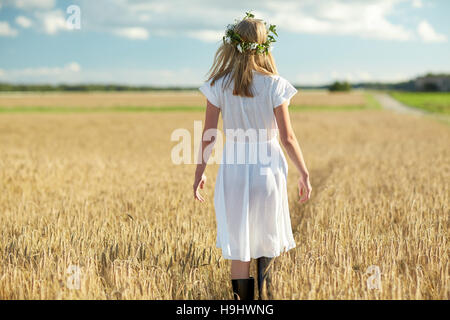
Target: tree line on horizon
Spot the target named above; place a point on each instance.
(335, 86)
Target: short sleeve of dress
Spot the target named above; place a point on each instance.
(282, 92)
(211, 93)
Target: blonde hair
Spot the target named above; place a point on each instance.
(228, 61)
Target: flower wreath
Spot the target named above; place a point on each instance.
(233, 38)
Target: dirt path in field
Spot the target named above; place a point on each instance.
(389, 103)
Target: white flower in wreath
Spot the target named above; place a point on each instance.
(239, 47)
(228, 40)
(253, 45)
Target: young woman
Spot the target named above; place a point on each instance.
(250, 197)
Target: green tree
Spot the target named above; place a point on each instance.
(340, 86)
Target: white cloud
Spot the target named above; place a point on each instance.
(205, 20)
(353, 76)
(311, 79)
(23, 21)
(41, 73)
(73, 67)
(134, 33)
(142, 76)
(365, 19)
(52, 22)
(417, 3)
(428, 34)
(360, 75)
(206, 35)
(32, 4)
(72, 73)
(6, 30)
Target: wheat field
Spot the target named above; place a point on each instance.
(98, 192)
(159, 99)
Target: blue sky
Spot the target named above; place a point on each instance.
(145, 42)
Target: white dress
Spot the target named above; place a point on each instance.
(250, 197)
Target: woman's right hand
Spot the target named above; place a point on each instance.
(304, 188)
(199, 182)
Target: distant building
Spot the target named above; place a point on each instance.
(433, 83)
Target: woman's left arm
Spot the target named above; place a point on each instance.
(211, 120)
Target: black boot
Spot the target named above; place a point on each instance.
(243, 289)
(264, 284)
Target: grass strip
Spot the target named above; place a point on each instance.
(437, 102)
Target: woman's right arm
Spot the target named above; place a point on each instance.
(290, 143)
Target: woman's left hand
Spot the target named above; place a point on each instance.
(199, 182)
